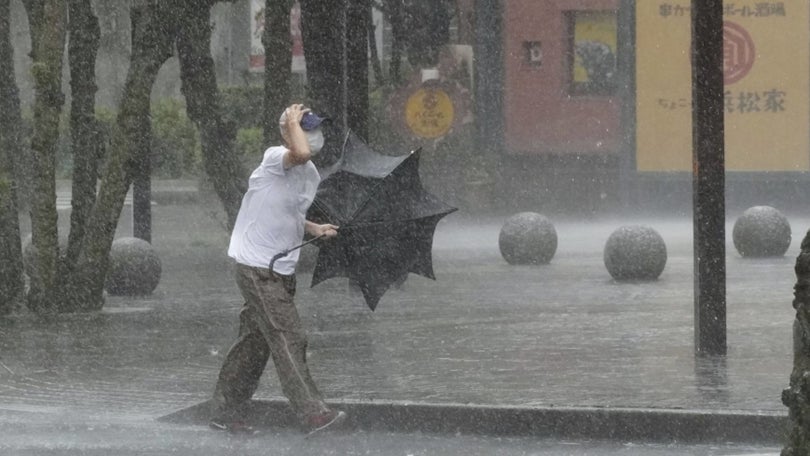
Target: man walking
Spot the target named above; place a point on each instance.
(271, 220)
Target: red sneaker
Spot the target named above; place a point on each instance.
(322, 421)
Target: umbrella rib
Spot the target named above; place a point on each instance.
(338, 220)
(387, 222)
(373, 191)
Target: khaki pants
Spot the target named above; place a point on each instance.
(269, 325)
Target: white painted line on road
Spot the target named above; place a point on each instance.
(755, 454)
(63, 202)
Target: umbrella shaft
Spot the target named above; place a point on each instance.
(287, 252)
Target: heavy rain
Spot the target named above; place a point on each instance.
(404, 227)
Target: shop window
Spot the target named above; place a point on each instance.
(591, 52)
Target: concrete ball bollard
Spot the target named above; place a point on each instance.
(527, 238)
(761, 231)
(134, 268)
(635, 253)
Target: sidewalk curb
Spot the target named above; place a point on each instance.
(162, 191)
(597, 423)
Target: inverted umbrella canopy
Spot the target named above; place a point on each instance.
(386, 219)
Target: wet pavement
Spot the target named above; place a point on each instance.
(47, 434)
(484, 333)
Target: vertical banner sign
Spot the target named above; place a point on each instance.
(257, 29)
(766, 67)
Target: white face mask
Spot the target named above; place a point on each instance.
(315, 140)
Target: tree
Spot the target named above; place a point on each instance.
(47, 21)
(419, 29)
(797, 396)
(277, 65)
(154, 25)
(335, 35)
(73, 280)
(322, 30)
(11, 146)
(199, 86)
(86, 143)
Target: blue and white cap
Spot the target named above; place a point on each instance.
(310, 121)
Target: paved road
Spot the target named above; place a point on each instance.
(485, 332)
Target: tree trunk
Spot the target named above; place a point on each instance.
(86, 144)
(154, 28)
(199, 86)
(277, 65)
(11, 266)
(47, 20)
(323, 24)
(358, 15)
(797, 396)
(322, 29)
(397, 41)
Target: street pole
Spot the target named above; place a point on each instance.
(344, 70)
(487, 67)
(142, 184)
(708, 178)
(142, 202)
(626, 66)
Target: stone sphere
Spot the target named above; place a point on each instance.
(527, 238)
(761, 231)
(134, 268)
(635, 253)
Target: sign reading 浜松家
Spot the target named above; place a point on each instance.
(766, 69)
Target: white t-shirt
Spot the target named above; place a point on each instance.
(273, 212)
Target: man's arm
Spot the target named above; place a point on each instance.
(299, 152)
(326, 230)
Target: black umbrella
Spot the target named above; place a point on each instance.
(386, 219)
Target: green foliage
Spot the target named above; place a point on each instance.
(176, 148)
(105, 119)
(175, 141)
(242, 105)
(249, 146)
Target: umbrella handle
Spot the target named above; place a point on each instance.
(287, 252)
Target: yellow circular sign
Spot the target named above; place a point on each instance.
(429, 112)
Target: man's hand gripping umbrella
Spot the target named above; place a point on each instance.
(327, 231)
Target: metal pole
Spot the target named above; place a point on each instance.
(344, 67)
(142, 183)
(141, 206)
(708, 179)
(626, 66)
(488, 80)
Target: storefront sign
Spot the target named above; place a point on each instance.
(766, 64)
(429, 112)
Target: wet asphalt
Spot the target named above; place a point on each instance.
(484, 333)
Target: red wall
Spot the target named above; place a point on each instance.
(540, 116)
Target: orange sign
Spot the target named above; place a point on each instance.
(429, 112)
